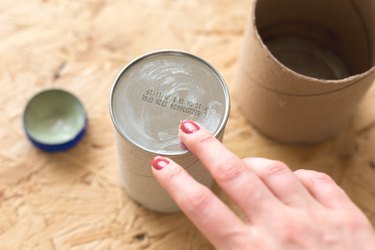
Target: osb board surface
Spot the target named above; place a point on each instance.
(74, 200)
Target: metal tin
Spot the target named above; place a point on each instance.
(149, 99)
(54, 120)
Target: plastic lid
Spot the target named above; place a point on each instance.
(54, 120)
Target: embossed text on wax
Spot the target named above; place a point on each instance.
(173, 102)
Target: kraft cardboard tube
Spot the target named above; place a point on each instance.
(149, 99)
(139, 182)
(305, 65)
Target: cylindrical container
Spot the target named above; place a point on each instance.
(305, 65)
(150, 98)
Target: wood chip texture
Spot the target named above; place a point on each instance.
(74, 200)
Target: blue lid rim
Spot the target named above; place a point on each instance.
(58, 147)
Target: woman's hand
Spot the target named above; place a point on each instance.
(304, 209)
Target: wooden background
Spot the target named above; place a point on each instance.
(73, 200)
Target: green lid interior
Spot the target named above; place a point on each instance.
(54, 116)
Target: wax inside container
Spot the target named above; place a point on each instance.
(54, 117)
(155, 93)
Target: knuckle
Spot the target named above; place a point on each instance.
(229, 169)
(275, 168)
(319, 176)
(248, 160)
(350, 221)
(303, 172)
(197, 201)
(207, 139)
(355, 221)
(174, 174)
(293, 232)
(314, 176)
(199, 142)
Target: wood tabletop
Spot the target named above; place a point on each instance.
(74, 200)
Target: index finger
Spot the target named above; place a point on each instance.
(212, 217)
(230, 172)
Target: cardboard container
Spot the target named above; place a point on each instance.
(150, 98)
(305, 65)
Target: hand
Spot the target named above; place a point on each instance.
(286, 210)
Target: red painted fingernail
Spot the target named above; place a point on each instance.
(159, 162)
(189, 126)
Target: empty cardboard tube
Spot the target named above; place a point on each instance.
(305, 65)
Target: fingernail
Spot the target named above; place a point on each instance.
(189, 126)
(159, 162)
